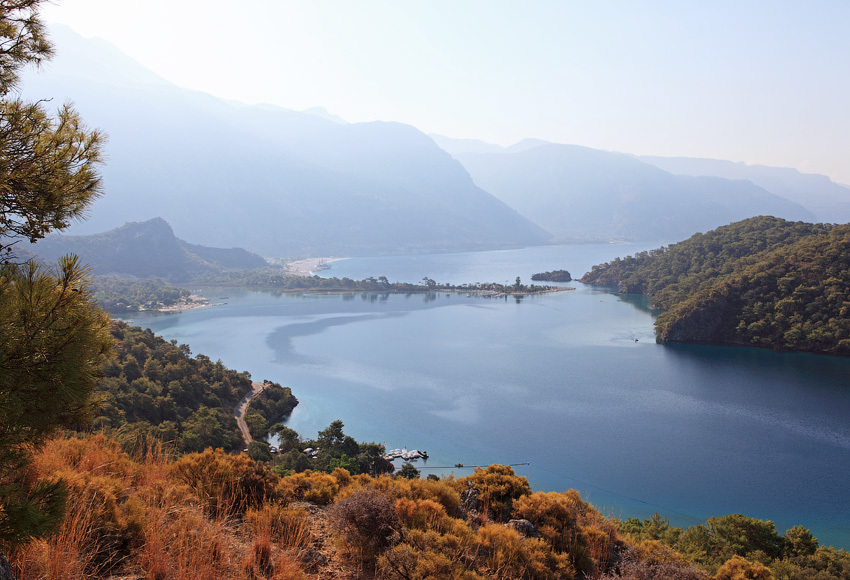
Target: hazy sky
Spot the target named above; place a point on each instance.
(761, 81)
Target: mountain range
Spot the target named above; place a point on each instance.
(289, 184)
(579, 193)
(277, 182)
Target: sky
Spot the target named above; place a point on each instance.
(758, 81)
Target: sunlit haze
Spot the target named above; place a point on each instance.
(760, 81)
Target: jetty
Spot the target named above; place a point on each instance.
(404, 454)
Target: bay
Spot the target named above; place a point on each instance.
(556, 384)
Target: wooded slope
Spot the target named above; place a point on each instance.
(761, 282)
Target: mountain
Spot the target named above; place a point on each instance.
(275, 181)
(829, 201)
(581, 193)
(758, 282)
(147, 249)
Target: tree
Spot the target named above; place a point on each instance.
(407, 471)
(53, 339)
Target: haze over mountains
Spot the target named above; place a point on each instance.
(579, 193)
(277, 182)
(285, 184)
(829, 201)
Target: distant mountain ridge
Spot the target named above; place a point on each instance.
(144, 250)
(582, 193)
(828, 200)
(275, 181)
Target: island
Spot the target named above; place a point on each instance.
(553, 276)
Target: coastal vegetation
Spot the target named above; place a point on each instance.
(153, 389)
(124, 295)
(553, 276)
(761, 282)
(211, 514)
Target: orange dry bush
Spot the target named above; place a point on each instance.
(289, 526)
(507, 555)
(554, 515)
(739, 568)
(312, 486)
(447, 554)
(497, 488)
(181, 543)
(226, 484)
(572, 526)
(441, 491)
(98, 476)
(423, 514)
(287, 567)
(66, 555)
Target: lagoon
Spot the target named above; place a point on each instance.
(556, 384)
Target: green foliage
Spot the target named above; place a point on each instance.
(745, 535)
(52, 337)
(155, 389)
(761, 282)
(53, 342)
(274, 403)
(122, 295)
(739, 545)
(407, 471)
(259, 451)
(553, 276)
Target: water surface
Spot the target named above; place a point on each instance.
(556, 381)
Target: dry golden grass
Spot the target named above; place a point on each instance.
(214, 515)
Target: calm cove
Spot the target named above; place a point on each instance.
(570, 386)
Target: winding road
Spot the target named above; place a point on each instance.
(243, 406)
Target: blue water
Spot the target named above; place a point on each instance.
(556, 381)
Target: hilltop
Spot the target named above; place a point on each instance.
(760, 282)
(146, 249)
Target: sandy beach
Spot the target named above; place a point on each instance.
(308, 266)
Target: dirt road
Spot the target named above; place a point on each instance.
(243, 406)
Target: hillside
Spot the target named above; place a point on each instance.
(214, 515)
(579, 193)
(829, 201)
(277, 182)
(760, 282)
(144, 250)
(154, 390)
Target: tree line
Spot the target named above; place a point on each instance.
(760, 282)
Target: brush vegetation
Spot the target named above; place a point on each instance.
(761, 282)
(153, 514)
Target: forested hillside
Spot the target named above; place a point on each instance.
(762, 282)
(147, 249)
(155, 390)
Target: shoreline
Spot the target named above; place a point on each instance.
(309, 266)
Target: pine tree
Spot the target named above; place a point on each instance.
(53, 339)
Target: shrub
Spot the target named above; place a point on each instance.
(507, 555)
(738, 568)
(368, 522)
(497, 486)
(226, 483)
